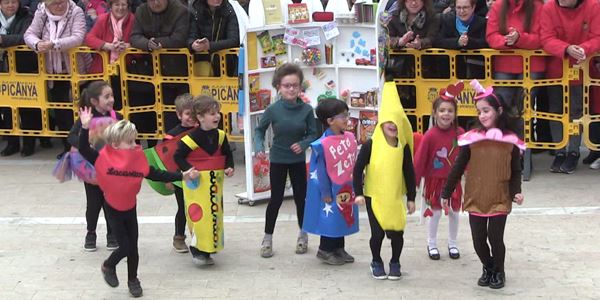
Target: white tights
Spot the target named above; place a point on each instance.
(452, 227)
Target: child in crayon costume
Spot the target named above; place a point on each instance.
(206, 149)
(121, 166)
(492, 153)
(161, 156)
(330, 210)
(388, 178)
(433, 160)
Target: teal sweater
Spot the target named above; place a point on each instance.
(291, 123)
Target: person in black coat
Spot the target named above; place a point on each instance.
(213, 27)
(463, 30)
(11, 34)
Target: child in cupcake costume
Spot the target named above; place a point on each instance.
(433, 159)
(386, 161)
(330, 210)
(492, 152)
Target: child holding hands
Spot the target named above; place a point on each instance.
(386, 160)
(330, 210)
(492, 153)
(120, 168)
(206, 149)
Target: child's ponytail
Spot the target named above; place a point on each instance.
(92, 91)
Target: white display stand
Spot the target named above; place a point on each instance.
(342, 73)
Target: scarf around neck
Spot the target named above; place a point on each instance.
(5, 22)
(418, 22)
(463, 27)
(117, 27)
(56, 26)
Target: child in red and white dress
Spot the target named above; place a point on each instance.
(434, 158)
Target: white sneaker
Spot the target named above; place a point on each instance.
(595, 165)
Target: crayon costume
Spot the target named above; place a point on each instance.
(208, 152)
(330, 175)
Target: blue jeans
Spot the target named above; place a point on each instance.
(575, 112)
(514, 96)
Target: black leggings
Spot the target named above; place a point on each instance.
(125, 227)
(180, 216)
(492, 229)
(330, 244)
(94, 202)
(377, 235)
(277, 175)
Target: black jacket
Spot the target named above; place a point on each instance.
(221, 28)
(448, 36)
(169, 28)
(17, 29)
(26, 62)
(397, 28)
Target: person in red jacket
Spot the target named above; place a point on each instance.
(110, 33)
(515, 24)
(569, 29)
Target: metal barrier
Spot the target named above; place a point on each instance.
(29, 89)
(425, 86)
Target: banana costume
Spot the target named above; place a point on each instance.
(384, 180)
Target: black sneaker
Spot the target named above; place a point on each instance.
(394, 273)
(341, 252)
(135, 288)
(591, 157)
(484, 280)
(377, 270)
(330, 258)
(90, 242)
(497, 280)
(559, 159)
(111, 242)
(570, 164)
(110, 276)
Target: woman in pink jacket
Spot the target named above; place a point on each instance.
(111, 33)
(58, 26)
(515, 24)
(570, 29)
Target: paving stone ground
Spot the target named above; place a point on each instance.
(552, 247)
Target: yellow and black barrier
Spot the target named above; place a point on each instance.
(425, 87)
(24, 86)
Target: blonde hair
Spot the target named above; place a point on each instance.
(204, 104)
(119, 132)
(183, 102)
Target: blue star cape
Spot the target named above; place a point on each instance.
(330, 175)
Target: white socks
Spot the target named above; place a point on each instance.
(453, 217)
(434, 220)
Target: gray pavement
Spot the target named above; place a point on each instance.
(552, 247)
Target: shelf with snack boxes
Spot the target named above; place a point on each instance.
(338, 57)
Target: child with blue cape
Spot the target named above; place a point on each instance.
(330, 210)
